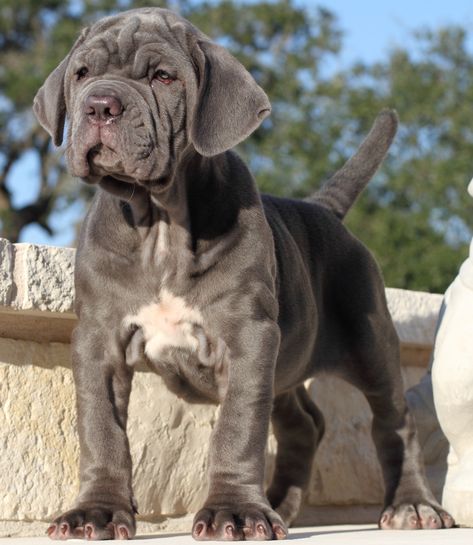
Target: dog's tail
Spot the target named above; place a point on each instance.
(341, 190)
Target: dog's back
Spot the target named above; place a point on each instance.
(322, 271)
(322, 267)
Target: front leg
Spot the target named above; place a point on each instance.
(236, 508)
(105, 506)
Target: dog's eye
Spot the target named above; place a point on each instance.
(163, 77)
(82, 73)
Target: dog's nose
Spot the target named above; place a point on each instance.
(103, 108)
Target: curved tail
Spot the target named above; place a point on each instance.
(341, 190)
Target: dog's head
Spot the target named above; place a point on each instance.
(138, 88)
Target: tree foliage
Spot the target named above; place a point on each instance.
(417, 215)
(414, 215)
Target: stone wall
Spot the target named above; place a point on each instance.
(169, 439)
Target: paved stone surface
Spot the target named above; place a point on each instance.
(324, 535)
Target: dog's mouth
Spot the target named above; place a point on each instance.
(100, 159)
(104, 160)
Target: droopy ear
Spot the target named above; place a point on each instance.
(49, 105)
(227, 105)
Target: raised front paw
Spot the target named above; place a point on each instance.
(419, 516)
(94, 522)
(245, 521)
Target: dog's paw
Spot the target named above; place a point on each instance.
(237, 523)
(408, 516)
(94, 522)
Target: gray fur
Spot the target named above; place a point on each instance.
(233, 297)
(342, 189)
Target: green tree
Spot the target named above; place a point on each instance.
(285, 47)
(34, 37)
(266, 36)
(414, 215)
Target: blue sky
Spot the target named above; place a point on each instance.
(371, 28)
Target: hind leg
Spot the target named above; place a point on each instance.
(409, 502)
(298, 426)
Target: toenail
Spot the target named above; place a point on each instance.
(230, 530)
(199, 528)
(123, 532)
(261, 529)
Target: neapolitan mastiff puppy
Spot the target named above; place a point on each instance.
(231, 297)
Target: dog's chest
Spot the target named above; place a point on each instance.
(173, 337)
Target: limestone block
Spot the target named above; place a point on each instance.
(36, 277)
(37, 423)
(39, 459)
(44, 278)
(169, 442)
(6, 272)
(346, 469)
(415, 315)
(36, 292)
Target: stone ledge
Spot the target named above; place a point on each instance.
(37, 291)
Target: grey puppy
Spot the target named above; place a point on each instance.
(232, 297)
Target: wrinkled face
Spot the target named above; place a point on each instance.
(140, 87)
(126, 98)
